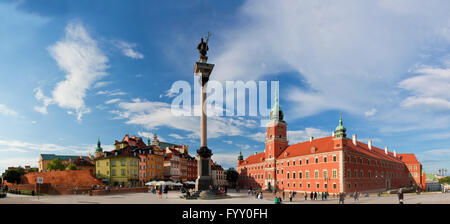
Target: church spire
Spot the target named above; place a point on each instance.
(99, 147)
(340, 129)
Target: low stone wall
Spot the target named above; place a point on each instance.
(120, 191)
(43, 188)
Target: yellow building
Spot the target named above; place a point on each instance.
(118, 167)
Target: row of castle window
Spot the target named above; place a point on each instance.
(316, 160)
(369, 174)
(371, 162)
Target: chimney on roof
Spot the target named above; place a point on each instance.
(386, 150)
(354, 139)
(332, 134)
(369, 144)
(395, 153)
(311, 138)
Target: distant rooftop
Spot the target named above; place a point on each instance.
(61, 157)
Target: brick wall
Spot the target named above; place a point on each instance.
(63, 178)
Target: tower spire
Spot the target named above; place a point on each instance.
(99, 147)
(240, 157)
(340, 129)
(276, 114)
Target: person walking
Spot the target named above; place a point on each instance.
(355, 196)
(341, 198)
(160, 193)
(315, 195)
(249, 192)
(400, 197)
(311, 196)
(306, 196)
(290, 197)
(283, 195)
(276, 200)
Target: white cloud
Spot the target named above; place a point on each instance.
(348, 54)
(225, 160)
(371, 112)
(128, 49)
(304, 135)
(115, 100)
(430, 89)
(150, 135)
(111, 92)
(78, 55)
(259, 136)
(228, 142)
(102, 84)
(152, 115)
(176, 136)
(243, 146)
(7, 111)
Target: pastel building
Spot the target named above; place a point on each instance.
(118, 167)
(331, 164)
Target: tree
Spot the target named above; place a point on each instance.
(55, 164)
(232, 176)
(71, 167)
(13, 175)
(445, 180)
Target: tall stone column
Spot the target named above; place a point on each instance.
(203, 69)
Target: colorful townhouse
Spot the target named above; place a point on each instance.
(118, 167)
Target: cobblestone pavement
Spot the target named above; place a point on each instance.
(235, 198)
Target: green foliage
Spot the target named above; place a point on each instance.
(33, 170)
(71, 167)
(232, 175)
(55, 164)
(445, 180)
(13, 175)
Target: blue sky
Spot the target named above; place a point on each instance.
(384, 64)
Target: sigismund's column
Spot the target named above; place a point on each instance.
(203, 69)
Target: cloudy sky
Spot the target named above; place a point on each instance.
(75, 71)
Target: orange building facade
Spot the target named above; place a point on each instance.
(331, 164)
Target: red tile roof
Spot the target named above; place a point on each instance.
(375, 152)
(408, 158)
(326, 144)
(256, 158)
(304, 148)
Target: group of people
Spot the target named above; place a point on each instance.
(160, 190)
(5, 189)
(315, 195)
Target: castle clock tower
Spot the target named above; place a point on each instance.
(276, 142)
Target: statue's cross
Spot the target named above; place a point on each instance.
(207, 37)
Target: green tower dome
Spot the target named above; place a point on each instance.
(240, 157)
(99, 147)
(340, 129)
